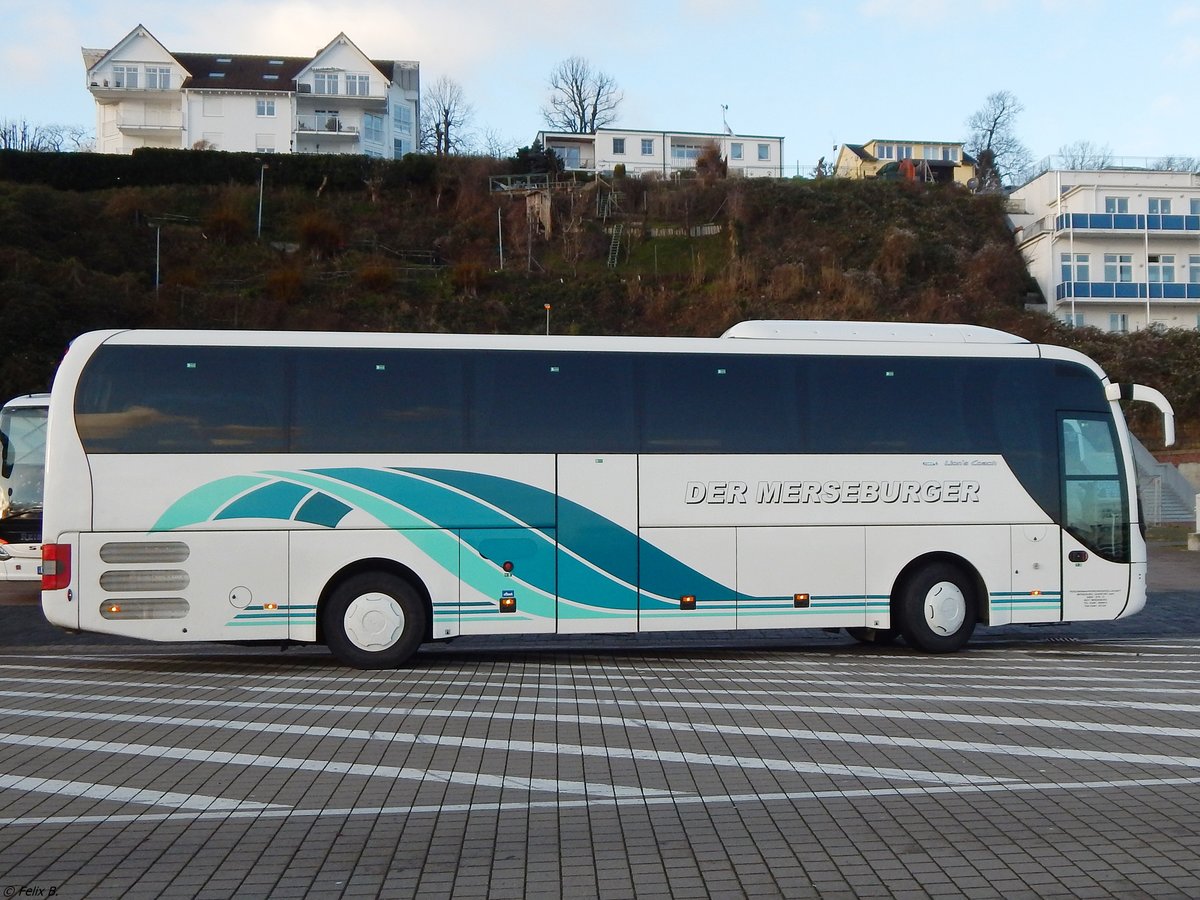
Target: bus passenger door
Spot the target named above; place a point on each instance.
(1095, 514)
(597, 543)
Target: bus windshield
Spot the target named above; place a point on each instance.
(23, 438)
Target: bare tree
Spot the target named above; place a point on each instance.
(445, 115)
(1085, 155)
(992, 140)
(24, 135)
(582, 99)
(491, 143)
(1178, 164)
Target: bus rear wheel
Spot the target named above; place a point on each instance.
(936, 609)
(373, 620)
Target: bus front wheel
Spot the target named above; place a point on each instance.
(936, 609)
(373, 621)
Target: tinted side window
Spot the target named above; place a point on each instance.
(719, 404)
(891, 405)
(135, 399)
(552, 403)
(378, 401)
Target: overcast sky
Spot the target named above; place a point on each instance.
(1112, 72)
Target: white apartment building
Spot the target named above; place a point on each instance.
(663, 153)
(1114, 248)
(337, 101)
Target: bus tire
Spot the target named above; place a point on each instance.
(879, 636)
(936, 608)
(373, 620)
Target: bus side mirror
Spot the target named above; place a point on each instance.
(1148, 395)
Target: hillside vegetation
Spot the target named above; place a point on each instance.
(421, 252)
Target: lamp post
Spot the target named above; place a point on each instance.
(262, 177)
(157, 226)
(547, 319)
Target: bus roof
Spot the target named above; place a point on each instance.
(28, 401)
(886, 332)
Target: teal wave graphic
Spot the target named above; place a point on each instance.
(596, 566)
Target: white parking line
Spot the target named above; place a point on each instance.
(825, 796)
(221, 757)
(117, 794)
(506, 744)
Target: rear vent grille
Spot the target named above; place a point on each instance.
(145, 552)
(145, 608)
(145, 580)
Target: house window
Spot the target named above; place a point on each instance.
(735, 151)
(1194, 206)
(1160, 268)
(1074, 320)
(569, 156)
(125, 77)
(683, 152)
(325, 82)
(1119, 205)
(399, 147)
(264, 109)
(618, 146)
(1160, 206)
(358, 85)
(158, 78)
(264, 143)
(764, 152)
(1118, 267)
(1118, 322)
(647, 146)
(931, 152)
(373, 128)
(1081, 272)
(1194, 268)
(904, 151)
(950, 154)
(402, 119)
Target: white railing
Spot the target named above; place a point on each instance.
(325, 124)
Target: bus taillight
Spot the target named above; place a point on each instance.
(56, 567)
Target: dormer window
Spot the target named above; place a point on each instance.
(158, 78)
(125, 77)
(224, 59)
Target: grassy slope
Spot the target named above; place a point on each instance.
(70, 262)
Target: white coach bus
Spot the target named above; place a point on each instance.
(374, 491)
(22, 468)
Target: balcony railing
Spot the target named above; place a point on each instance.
(1127, 290)
(325, 125)
(1126, 222)
(307, 91)
(140, 121)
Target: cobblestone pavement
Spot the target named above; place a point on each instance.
(1059, 761)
